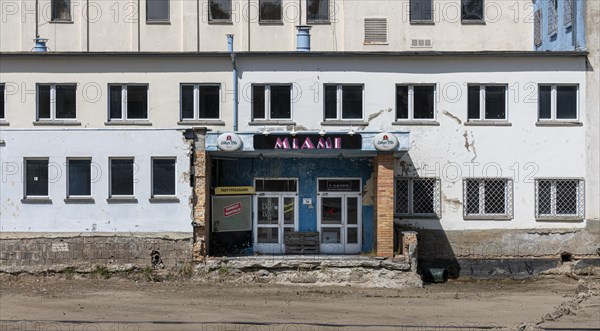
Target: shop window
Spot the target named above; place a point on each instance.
(163, 177)
(487, 102)
(557, 102)
(270, 10)
(36, 177)
(157, 10)
(121, 177)
(61, 10)
(271, 102)
(56, 101)
(128, 102)
(343, 102)
(415, 102)
(472, 10)
(417, 197)
(421, 10)
(219, 10)
(559, 198)
(317, 11)
(79, 180)
(200, 102)
(488, 198)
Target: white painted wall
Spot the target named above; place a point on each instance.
(100, 216)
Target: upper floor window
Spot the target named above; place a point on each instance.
(219, 10)
(552, 17)
(271, 102)
(421, 10)
(559, 198)
(343, 102)
(317, 11)
(157, 10)
(558, 102)
(488, 198)
(56, 101)
(2, 101)
(270, 10)
(568, 12)
(415, 102)
(127, 102)
(199, 102)
(472, 10)
(61, 10)
(487, 102)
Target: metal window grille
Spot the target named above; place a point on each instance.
(488, 198)
(537, 27)
(568, 12)
(559, 198)
(552, 26)
(417, 197)
(375, 30)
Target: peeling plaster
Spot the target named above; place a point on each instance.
(368, 192)
(470, 146)
(452, 116)
(377, 114)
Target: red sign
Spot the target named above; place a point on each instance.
(232, 209)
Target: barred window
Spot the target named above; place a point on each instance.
(417, 197)
(559, 198)
(488, 198)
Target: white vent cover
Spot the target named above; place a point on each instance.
(421, 43)
(375, 30)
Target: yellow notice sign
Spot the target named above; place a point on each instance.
(233, 190)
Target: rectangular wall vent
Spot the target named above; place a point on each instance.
(421, 43)
(375, 30)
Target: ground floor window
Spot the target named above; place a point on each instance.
(121, 177)
(79, 182)
(36, 177)
(488, 198)
(558, 198)
(417, 197)
(163, 177)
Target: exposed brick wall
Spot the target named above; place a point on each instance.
(384, 204)
(201, 196)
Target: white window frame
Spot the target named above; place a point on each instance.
(553, 199)
(437, 213)
(197, 102)
(553, 104)
(339, 99)
(268, 102)
(110, 174)
(159, 196)
(69, 195)
(411, 102)
(509, 200)
(53, 102)
(124, 104)
(25, 195)
(482, 101)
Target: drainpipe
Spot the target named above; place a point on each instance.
(235, 81)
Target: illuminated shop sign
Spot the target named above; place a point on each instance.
(308, 142)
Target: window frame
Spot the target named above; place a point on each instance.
(417, 21)
(68, 181)
(27, 196)
(196, 102)
(411, 103)
(339, 102)
(219, 20)
(319, 21)
(53, 19)
(553, 200)
(482, 215)
(163, 196)
(265, 21)
(437, 206)
(267, 97)
(158, 20)
(110, 176)
(124, 103)
(52, 102)
(482, 103)
(553, 104)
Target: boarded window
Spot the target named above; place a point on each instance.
(157, 10)
(375, 30)
(420, 10)
(317, 11)
(537, 28)
(472, 10)
(61, 10)
(270, 10)
(219, 10)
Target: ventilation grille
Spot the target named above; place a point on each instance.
(375, 30)
(420, 43)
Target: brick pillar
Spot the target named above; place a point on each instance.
(384, 204)
(201, 196)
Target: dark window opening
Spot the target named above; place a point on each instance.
(281, 102)
(317, 10)
(116, 101)
(423, 102)
(330, 102)
(121, 177)
(420, 10)
(2, 98)
(495, 102)
(65, 101)
(79, 178)
(258, 102)
(566, 102)
(402, 102)
(219, 10)
(61, 10)
(44, 101)
(473, 102)
(352, 102)
(36, 178)
(276, 185)
(209, 102)
(137, 102)
(157, 10)
(472, 10)
(187, 102)
(545, 102)
(270, 10)
(163, 177)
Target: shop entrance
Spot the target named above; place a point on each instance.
(339, 207)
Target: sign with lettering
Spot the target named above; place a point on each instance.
(232, 190)
(308, 142)
(231, 213)
(385, 142)
(229, 142)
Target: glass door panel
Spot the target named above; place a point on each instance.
(268, 210)
(331, 210)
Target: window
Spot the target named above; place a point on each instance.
(559, 198)
(420, 11)
(343, 102)
(415, 102)
(61, 10)
(127, 102)
(537, 28)
(121, 177)
(487, 198)
(79, 178)
(568, 12)
(219, 10)
(557, 102)
(36, 177)
(270, 10)
(56, 102)
(417, 197)
(271, 102)
(2, 101)
(472, 10)
(317, 11)
(163, 177)
(552, 17)
(157, 10)
(199, 101)
(490, 98)
(375, 31)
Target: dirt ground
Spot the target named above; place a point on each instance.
(57, 303)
